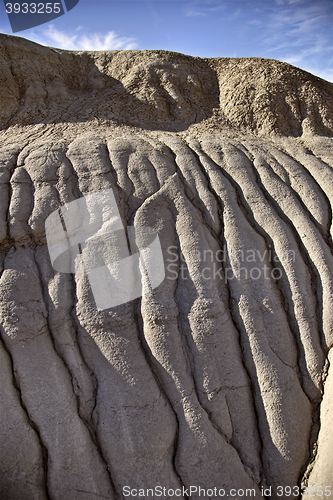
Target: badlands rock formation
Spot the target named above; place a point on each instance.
(220, 376)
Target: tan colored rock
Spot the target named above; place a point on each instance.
(160, 90)
(214, 378)
(321, 477)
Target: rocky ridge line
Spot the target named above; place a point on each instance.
(159, 90)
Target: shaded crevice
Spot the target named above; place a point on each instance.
(220, 239)
(86, 424)
(29, 233)
(76, 189)
(325, 235)
(31, 423)
(145, 349)
(315, 280)
(2, 261)
(313, 438)
(329, 206)
(112, 170)
(223, 243)
(91, 426)
(8, 242)
(192, 198)
(155, 172)
(314, 273)
(287, 308)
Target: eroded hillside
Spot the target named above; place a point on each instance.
(216, 377)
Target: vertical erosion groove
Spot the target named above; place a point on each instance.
(295, 276)
(31, 490)
(229, 387)
(73, 462)
(17, 386)
(8, 163)
(318, 254)
(213, 378)
(166, 344)
(319, 170)
(274, 350)
(127, 397)
(148, 355)
(310, 194)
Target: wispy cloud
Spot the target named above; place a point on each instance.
(288, 2)
(296, 27)
(300, 32)
(199, 8)
(91, 41)
(193, 12)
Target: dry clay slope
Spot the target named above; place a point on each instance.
(216, 377)
(159, 90)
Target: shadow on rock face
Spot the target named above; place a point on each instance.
(155, 89)
(151, 89)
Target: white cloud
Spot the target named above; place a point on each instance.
(254, 22)
(199, 8)
(299, 26)
(192, 12)
(288, 2)
(90, 41)
(299, 32)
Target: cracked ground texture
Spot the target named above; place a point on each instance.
(220, 376)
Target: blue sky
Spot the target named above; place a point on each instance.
(296, 31)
